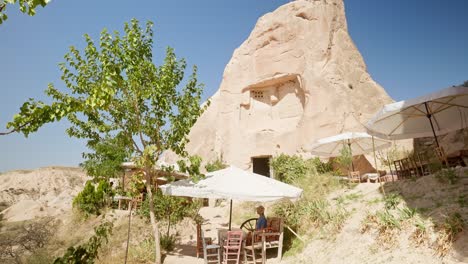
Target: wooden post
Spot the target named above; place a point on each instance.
(128, 232)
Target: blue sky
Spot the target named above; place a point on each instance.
(410, 47)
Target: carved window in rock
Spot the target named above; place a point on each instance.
(278, 106)
(258, 95)
(262, 96)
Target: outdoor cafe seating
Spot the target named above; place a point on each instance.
(422, 163)
(253, 246)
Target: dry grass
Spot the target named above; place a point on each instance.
(447, 234)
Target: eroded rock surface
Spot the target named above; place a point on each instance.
(297, 78)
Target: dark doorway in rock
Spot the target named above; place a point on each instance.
(261, 165)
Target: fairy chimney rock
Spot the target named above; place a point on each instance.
(297, 78)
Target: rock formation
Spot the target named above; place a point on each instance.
(297, 78)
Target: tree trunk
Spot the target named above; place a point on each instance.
(157, 242)
(168, 226)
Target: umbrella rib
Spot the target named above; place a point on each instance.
(417, 109)
(398, 113)
(359, 145)
(402, 122)
(440, 109)
(441, 104)
(331, 152)
(433, 117)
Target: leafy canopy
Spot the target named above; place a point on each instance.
(117, 94)
(107, 158)
(25, 6)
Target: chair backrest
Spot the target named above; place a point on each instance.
(200, 240)
(405, 163)
(275, 224)
(138, 200)
(203, 242)
(234, 239)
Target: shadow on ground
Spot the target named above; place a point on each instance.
(436, 201)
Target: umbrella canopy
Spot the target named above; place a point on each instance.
(359, 142)
(430, 115)
(235, 184)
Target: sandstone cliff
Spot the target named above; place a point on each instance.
(297, 78)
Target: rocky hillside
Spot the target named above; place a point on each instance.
(42, 192)
(427, 222)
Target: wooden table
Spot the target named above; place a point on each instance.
(123, 198)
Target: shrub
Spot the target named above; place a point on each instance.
(215, 165)
(171, 209)
(407, 213)
(87, 252)
(345, 158)
(447, 176)
(391, 201)
(168, 242)
(319, 166)
(91, 200)
(288, 168)
(306, 214)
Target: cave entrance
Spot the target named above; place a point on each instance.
(261, 165)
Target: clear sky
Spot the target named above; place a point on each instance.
(410, 47)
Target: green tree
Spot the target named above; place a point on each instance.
(25, 6)
(345, 158)
(116, 91)
(107, 158)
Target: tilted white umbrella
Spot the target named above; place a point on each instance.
(358, 143)
(430, 115)
(234, 184)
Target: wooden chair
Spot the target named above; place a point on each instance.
(354, 176)
(211, 253)
(201, 240)
(232, 247)
(137, 201)
(412, 167)
(274, 235)
(253, 248)
(398, 168)
(422, 163)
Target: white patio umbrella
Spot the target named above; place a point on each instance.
(430, 115)
(234, 184)
(358, 143)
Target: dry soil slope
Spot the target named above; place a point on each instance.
(27, 194)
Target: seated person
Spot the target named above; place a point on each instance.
(261, 221)
(261, 225)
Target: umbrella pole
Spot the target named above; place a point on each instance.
(230, 215)
(351, 152)
(376, 169)
(429, 116)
